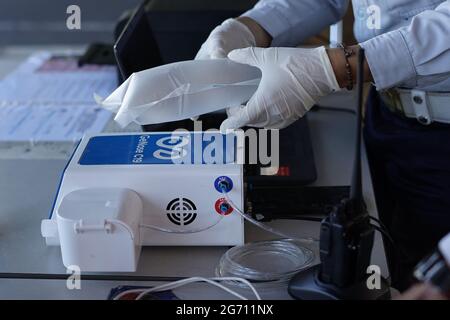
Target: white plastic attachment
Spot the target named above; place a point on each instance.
(98, 229)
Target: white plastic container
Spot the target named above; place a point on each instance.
(98, 229)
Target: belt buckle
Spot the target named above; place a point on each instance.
(393, 101)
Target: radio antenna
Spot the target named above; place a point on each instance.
(356, 194)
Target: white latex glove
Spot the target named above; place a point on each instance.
(293, 79)
(230, 35)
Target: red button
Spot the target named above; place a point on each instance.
(218, 206)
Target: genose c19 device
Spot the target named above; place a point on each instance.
(120, 192)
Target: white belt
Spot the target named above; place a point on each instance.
(426, 107)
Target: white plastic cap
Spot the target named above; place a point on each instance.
(49, 228)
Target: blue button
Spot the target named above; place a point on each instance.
(223, 184)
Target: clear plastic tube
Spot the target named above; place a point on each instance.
(268, 264)
(288, 256)
(149, 226)
(256, 222)
(239, 211)
(298, 254)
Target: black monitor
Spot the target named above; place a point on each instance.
(136, 48)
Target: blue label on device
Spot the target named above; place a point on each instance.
(160, 148)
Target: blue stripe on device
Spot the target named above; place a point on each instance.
(160, 148)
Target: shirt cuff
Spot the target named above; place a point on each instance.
(271, 20)
(389, 59)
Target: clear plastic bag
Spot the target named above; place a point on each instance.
(181, 90)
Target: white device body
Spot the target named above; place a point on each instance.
(116, 183)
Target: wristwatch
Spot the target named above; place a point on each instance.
(435, 269)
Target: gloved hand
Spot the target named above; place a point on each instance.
(230, 35)
(293, 79)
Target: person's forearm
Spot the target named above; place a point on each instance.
(338, 62)
(262, 37)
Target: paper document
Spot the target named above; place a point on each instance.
(52, 122)
(51, 99)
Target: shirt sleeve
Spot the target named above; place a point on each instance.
(289, 22)
(418, 54)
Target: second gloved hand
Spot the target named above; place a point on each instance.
(230, 35)
(293, 79)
